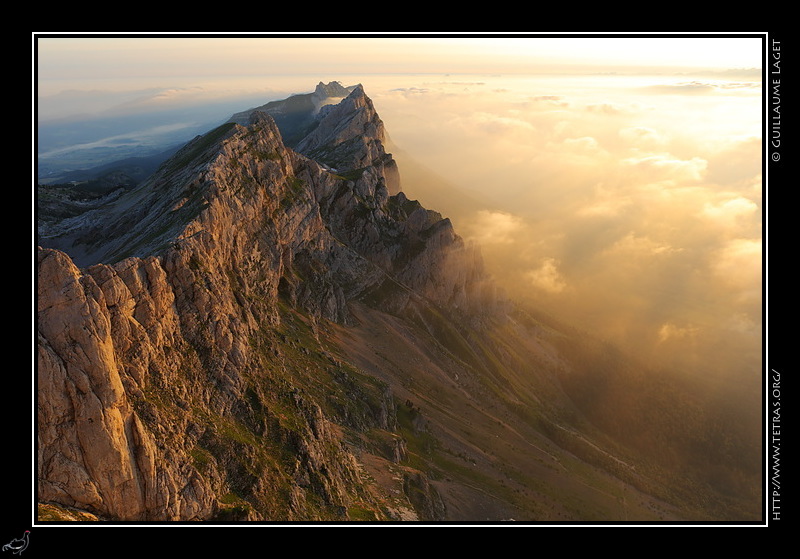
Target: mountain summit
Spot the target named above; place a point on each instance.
(266, 332)
(298, 114)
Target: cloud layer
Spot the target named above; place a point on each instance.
(620, 204)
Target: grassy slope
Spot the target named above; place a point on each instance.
(486, 416)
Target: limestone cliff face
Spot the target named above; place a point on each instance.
(97, 341)
(351, 137)
(185, 369)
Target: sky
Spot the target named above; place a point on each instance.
(614, 182)
(217, 66)
(132, 57)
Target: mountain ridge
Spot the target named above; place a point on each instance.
(178, 249)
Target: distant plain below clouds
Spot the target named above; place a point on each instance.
(151, 136)
(82, 129)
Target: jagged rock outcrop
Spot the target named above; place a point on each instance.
(300, 113)
(170, 383)
(350, 139)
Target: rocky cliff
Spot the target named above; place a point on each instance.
(183, 368)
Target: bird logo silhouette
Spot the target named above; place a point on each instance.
(18, 545)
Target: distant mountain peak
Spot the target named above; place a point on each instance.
(332, 89)
(298, 114)
(349, 135)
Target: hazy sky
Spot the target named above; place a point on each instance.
(149, 61)
(617, 180)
